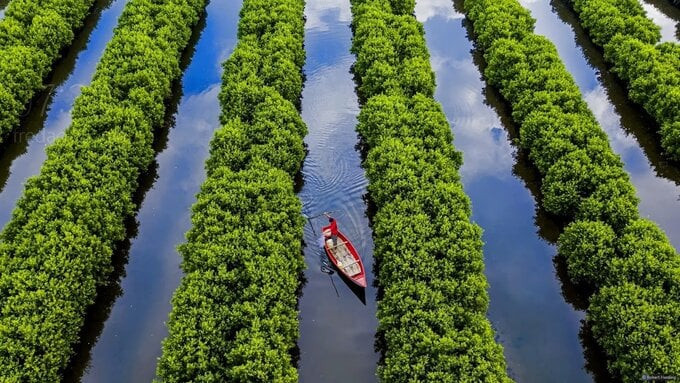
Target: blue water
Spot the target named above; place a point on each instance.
(337, 331)
(665, 16)
(3, 5)
(50, 112)
(130, 343)
(538, 329)
(657, 182)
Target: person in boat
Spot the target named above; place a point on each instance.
(332, 232)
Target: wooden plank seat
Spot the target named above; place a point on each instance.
(340, 244)
(345, 259)
(352, 268)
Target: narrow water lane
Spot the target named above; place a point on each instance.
(130, 343)
(657, 182)
(665, 16)
(337, 331)
(538, 329)
(671, 11)
(3, 5)
(49, 114)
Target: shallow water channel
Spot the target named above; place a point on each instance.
(49, 114)
(538, 329)
(665, 16)
(337, 323)
(135, 309)
(3, 5)
(630, 130)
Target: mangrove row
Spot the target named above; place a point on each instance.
(433, 301)
(57, 248)
(234, 315)
(626, 261)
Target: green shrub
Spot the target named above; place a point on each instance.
(606, 245)
(639, 326)
(432, 315)
(588, 247)
(234, 315)
(57, 249)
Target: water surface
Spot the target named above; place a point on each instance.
(49, 114)
(130, 343)
(538, 329)
(630, 131)
(3, 5)
(664, 15)
(337, 330)
(670, 10)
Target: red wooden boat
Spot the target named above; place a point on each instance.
(345, 257)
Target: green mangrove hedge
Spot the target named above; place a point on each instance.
(626, 261)
(651, 70)
(234, 315)
(57, 248)
(432, 314)
(33, 34)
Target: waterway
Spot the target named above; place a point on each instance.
(49, 114)
(125, 347)
(3, 5)
(337, 323)
(538, 329)
(665, 16)
(671, 11)
(630, 130)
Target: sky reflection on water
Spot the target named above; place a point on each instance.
(538, 329)
(130, 342)
(336, 331)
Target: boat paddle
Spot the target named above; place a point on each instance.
(324, 266)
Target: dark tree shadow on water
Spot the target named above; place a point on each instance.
(549, 226)
(98, 313)
(33, 118)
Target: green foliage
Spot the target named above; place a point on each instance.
(499, 20)
(575, 177)
(605, 19)
(613, 202)
(588, 247)
(432, 316)
(234, 316)
(606, 245)
(392, 56)
(651, 70)
(646, 258)
(639, 326)
(33, 34)
(56, 250)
